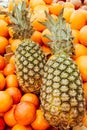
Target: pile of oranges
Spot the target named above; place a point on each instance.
(20, 111)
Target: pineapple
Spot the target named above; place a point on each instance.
(29, 57)
(61, 95)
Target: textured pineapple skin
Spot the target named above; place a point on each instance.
(61, 95)
(29, 62)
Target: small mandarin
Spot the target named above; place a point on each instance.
(9, 117)
(80, 50)
(41, 9)
(55, 8)
(15, 93)
(31, 98)
(2, 81)
(11, 81)
(84, 121)
(3, 28)
(2, 62)
(36, 37)
(48, 1)
(25, 113)
(81, 61)
(75, 34)
(36, 19)
(6, 101)
(9, 69)
(47, 51)
(68, 4)
(40, 123)
(3, 44)
(11, 60)
(83, 35)
(34, 3)
(77, 19)
(15, 44)
(67, 13)
(10, 40)
(20, 127)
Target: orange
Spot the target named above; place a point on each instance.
(45, 32)
(15, 93)
(11, 81)
(11, 60)
(34, 3)
(10, 40)
(48, 1)
(36, 37)
(67, 13)
(75, 34)
(83, 35)
(2, 81)
(6, 101)
(36, 19)
(25, 113)
(55, 8)
(3, 28)
(80, 50)
(77, 19)
(84, 121)
(77, 3)
(15, 44)
(82, 65)
(2, 124)
(84, 11)
(31, 98)
(9, 117)
(9, 69)
(47, 51)
(85, 2)
(3, 44)
(11, 32)
(85, 90)
(2, 62)
(21, 127)
(68, 4)
(40, 123)
(5, 18)
(41, 9)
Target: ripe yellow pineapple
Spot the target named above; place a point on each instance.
(29, 57)
(62, 96)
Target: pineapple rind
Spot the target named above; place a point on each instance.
(29, 62)
(62, 97)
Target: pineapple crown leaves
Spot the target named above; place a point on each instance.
(61, 34)
(20, 18)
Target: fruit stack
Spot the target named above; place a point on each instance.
(43, 65)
